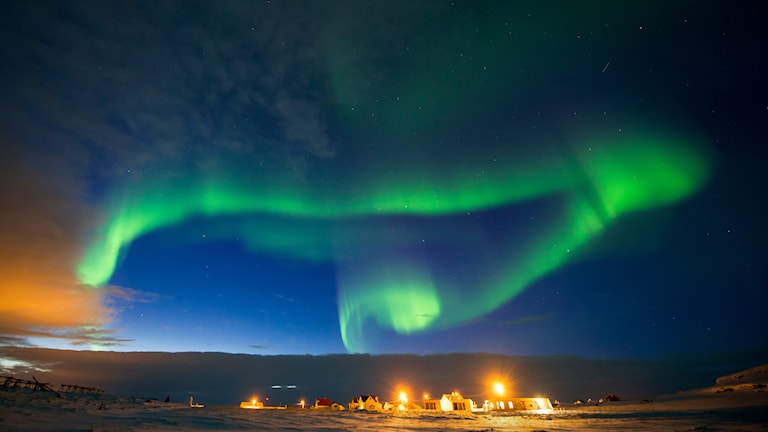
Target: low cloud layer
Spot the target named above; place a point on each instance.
(219, 378)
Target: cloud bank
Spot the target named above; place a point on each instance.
(219, 378)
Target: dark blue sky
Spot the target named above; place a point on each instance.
(409, 177)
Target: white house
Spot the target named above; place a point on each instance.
(453, 401)
(366, 402)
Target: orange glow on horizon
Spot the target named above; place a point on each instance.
(23, 303)
(42, 296)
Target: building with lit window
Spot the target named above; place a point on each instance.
(453, 401)
(531, 405)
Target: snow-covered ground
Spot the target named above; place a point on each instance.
(742, 408)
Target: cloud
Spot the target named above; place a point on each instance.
(235, 85)
(259, 347)
(41, 225)
(305, 124)
(230, 378)
(14, 340)
(130, 295)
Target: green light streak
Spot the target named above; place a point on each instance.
(644, 174)
(620, 176)
(458, 188)
(400, 296)
(602, 179)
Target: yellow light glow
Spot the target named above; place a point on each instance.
(403, 397)
(498, 388)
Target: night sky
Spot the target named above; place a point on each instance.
(535, 178)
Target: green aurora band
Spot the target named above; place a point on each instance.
(381, 279)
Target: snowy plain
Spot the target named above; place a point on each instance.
(742, 408)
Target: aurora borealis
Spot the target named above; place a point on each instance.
(364, 177)
(605, 181)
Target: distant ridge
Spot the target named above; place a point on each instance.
(757, 374)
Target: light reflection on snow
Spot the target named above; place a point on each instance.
(40, 411)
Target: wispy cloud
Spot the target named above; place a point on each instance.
(259, 347)
(14, 340)
(124, 294)
(239, 84)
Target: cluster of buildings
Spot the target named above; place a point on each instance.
(448, 402)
